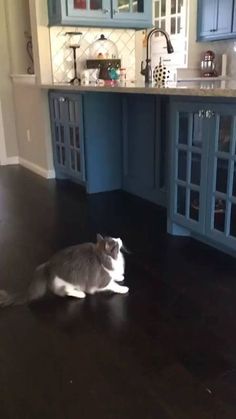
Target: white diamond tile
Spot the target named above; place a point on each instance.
(62, 61)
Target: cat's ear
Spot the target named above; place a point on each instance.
(99, 238)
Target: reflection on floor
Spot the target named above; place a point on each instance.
(167, 350)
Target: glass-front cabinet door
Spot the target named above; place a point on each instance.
(221, 211)
(132, 9)
(59, 127)
(188, 166)
(74, 114)
(89, 8)
(67, 134)
(170, 15)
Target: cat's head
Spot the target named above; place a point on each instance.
(109, 245)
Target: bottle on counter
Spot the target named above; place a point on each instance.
(122, 75)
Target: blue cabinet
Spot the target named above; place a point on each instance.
(141, 150)
(189, 164)
(68, 135)
(234, 19)
(101, 13)
(215, 19)
(87, 139)
(203, 172)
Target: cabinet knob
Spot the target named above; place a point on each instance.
(62, 99)
(213, 30)
(105, 11)
(201, 113)
(210, 113)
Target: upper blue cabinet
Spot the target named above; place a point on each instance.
(215, 20)
(103, 13)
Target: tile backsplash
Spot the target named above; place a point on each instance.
(62, 58)
(227, 47)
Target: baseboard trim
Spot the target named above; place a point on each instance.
(12, 160)
(47, 174)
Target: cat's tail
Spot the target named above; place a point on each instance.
(37, 290)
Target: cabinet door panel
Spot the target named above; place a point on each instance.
(232, 231)
(189, 162)
(140, 146)
(130, 6)
(234, 18)
(215, 19)
(67, 134)
(207, 17)
(222, 186)
(75, 136)
(129, 10)
(58, 124)
(224, 16)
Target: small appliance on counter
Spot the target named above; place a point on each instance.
(103, 55)
(208, 65)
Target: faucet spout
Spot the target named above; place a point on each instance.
(147, 71)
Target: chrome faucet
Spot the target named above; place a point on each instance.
(147, 71)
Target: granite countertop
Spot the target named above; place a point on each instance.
(204, 88)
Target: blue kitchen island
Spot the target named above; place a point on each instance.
(174, 146)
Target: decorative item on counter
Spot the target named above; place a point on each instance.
(103, 55)
(85, 78)
(123, 75)
(29, 49)
(144, 39)
(160, 74)
(113, 73)
(208, 65)
(76, 81)
(103, 49)
(89, 76)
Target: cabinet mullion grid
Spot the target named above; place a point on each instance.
(75, 152)
(187, 184)
(232, 162)
(191, 186)
(59, 128)
(180, 147)
(228, 197)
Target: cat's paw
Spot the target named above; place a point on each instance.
(119, 278)
(124, 290)
(76, 293)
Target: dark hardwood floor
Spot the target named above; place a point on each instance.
(166, 351)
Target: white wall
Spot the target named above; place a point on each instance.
(33, 126)
(18, 22)
(6, 92)
(31, 101)
(41, 40)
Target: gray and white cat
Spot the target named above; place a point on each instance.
(87, 268)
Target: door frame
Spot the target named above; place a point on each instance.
(3, 153)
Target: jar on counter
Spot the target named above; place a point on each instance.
(123, 75)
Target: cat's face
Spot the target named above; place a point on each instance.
(110, 245)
